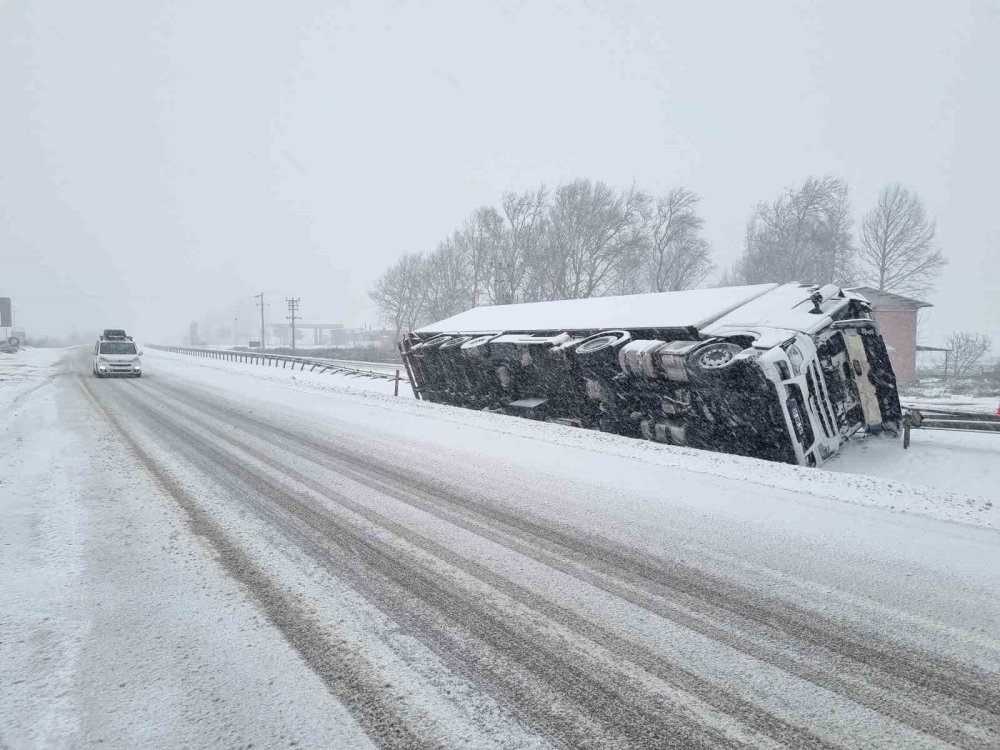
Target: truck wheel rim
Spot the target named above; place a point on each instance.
(718, 356)
(596, 344)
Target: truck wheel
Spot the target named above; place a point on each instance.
(714, 360)
(478, 348)
(601, 349)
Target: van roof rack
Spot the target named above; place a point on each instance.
(115, 334)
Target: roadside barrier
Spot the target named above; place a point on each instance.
(272, 360)
(954, 421)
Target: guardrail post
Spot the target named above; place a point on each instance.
(395, 386)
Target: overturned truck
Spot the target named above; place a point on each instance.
(781, 372)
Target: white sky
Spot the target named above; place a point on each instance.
(164, 159)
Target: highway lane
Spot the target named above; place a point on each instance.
(561, 632)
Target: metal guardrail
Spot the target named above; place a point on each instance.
(272, 360)
(953, 421)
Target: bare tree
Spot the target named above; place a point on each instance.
(524, 220)
(400, 293)
(967, 351)
(897, 250)
(677, 256)
(446, 280)
(593, 234)
(804, 235)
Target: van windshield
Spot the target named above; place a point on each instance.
(117, 347)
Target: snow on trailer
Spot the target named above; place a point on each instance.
(782, 372)
(688, 309)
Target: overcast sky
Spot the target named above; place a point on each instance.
(165, 159)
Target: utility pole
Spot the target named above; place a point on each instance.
(261, 303)
(293, 308)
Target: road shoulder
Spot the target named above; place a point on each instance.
(117, 626)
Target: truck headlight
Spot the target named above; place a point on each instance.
(794, 358)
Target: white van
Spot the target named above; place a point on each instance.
(116, 355)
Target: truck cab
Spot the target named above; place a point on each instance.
(116, 355)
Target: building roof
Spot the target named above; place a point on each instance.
(888, 301)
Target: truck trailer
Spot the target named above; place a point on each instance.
(784, 372)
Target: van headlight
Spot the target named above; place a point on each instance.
(795, 358)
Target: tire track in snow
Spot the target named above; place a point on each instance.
(943, 699)
(643, 579)
(623, 649)
(576, 700)
(347, 675)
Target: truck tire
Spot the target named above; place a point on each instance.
(713, 361)
(601, 350)
(478, 347)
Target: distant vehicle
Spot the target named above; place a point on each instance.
(781, 372)
(116, 355)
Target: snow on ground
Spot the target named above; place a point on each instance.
(25, 370)
(874, 472)
(953, 402)
(962, 464)
(328, 381)
(946, 394)
(107, 599)
(117, 627)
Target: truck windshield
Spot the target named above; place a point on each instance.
(117, 347)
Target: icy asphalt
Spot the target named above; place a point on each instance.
(198, 558)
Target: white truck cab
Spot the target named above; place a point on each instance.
(116, 355)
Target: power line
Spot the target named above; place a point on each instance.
(293, 308)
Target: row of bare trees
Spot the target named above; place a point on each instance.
(583, 239)
(586, 239)
(806, 234)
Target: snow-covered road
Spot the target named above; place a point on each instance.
(205, 557)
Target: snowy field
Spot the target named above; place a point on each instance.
(227, 554)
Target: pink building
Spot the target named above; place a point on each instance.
(897, 316)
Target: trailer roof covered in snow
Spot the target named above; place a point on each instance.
(693, 308)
